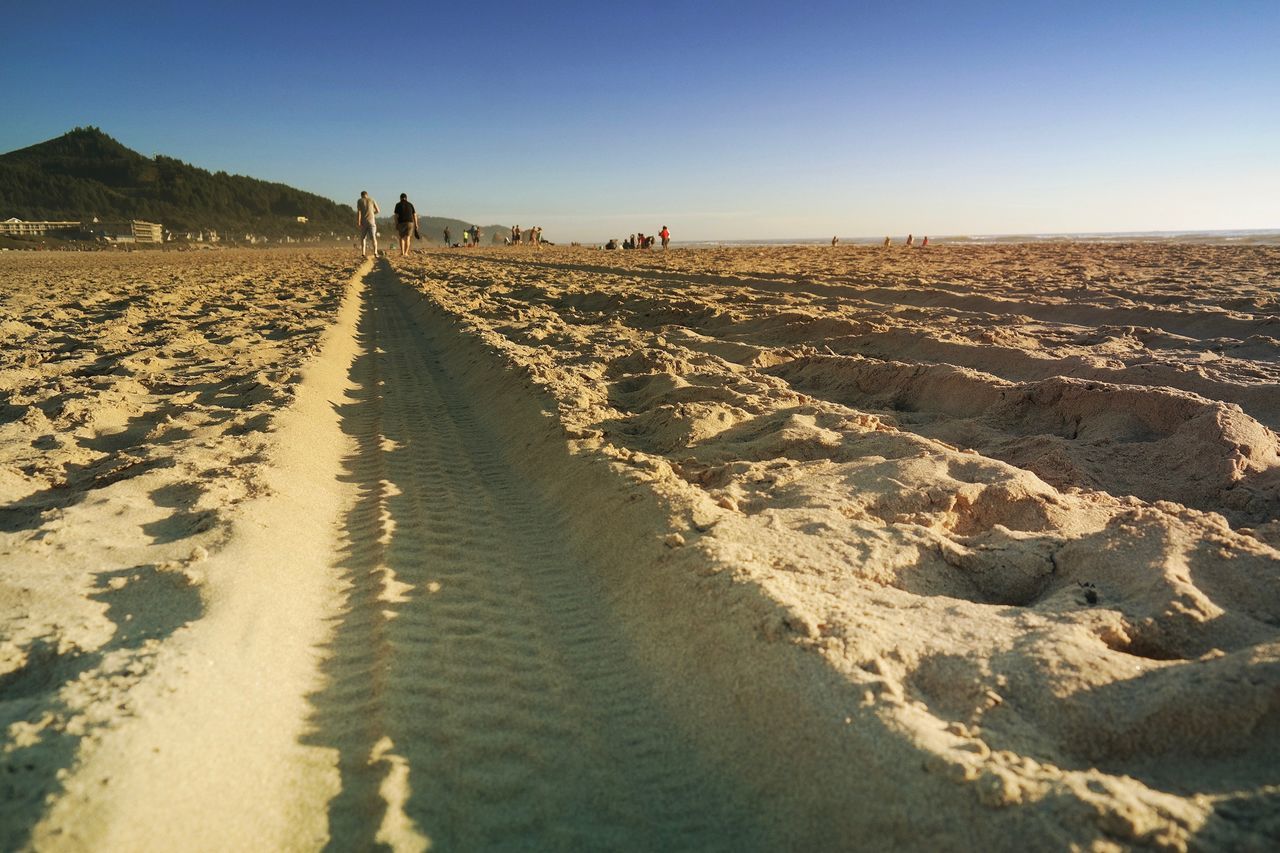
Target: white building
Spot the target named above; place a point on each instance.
(19, 228)
(134, 231)
(146, 232)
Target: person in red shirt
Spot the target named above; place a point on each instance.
(665, 235)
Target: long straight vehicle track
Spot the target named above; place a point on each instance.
(479, 694)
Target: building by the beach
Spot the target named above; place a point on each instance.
(132, 231)
(146, 232)
(18, 228)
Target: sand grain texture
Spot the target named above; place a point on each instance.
(966, 547)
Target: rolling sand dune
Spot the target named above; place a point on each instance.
(972, 547)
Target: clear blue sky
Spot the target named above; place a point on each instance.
(722, 120)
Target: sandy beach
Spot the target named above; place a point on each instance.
(970, 547)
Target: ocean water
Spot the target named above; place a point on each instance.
(1258, 236)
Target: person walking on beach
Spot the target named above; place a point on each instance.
(406, 224)
(910, 240)
(666, 237)
(447, 244)
(366, 224)
(834, 241)
(887, 241)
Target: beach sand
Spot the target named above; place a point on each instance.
(752, 548)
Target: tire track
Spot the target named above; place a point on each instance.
(479, 694)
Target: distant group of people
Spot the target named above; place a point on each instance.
(910, 241)
(641, 241)
(406, 218)
(470, 237)
(532, 236)
(835, 241)
(407, 229)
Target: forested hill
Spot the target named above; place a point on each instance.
(86, 173)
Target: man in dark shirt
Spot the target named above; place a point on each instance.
(406, 223)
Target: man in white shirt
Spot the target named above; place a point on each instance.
(366, 224)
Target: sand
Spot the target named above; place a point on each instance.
(972, 546)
